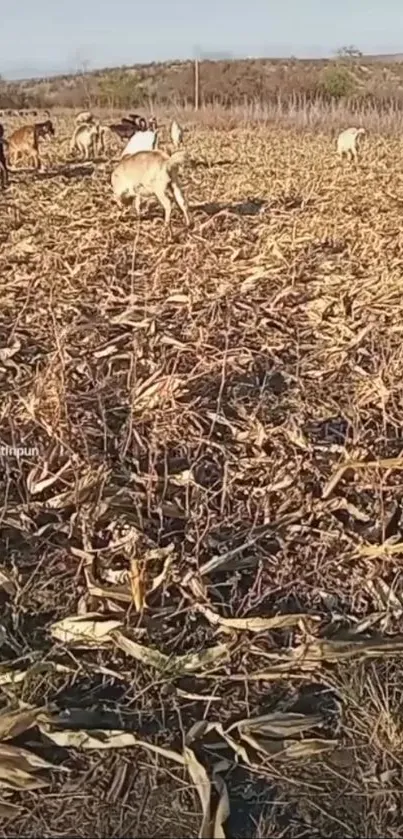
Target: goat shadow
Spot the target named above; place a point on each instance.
(68, 170)
(249, 207)
(204, 164)
(65, 170)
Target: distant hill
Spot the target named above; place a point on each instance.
(374, 78)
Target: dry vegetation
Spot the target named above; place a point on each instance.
(210, 531)
(367, 80)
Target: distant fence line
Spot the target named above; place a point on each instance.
(279, 100)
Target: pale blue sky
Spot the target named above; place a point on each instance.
(57, 35)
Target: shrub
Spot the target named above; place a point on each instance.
(337, 82)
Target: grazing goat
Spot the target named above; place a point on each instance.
(85, 139)
(124, 130)
(150, 173)
(132, 119)
(26, 139)
(84, 117)
(176, 134)
(3, 162)
(103, 132)
(347, 142)
(139, 123)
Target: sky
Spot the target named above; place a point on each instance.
(50, 36)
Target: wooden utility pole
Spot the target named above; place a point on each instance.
(196, 84)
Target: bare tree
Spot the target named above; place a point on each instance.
(349, 52)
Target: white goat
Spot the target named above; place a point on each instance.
(176, 134)
(347, 142)
(141, 141)
(150, 173)
(84, 117)
(85, 139)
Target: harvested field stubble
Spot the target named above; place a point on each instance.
(200, 585)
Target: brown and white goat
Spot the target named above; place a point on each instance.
(26, 140)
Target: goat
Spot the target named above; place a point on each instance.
(347, 142)
(26, 139)
(3, 162)
(141, 141)
(150, 173)
(103, 132)
(176, 134)
(123, 130)
(132, 119)
(85, 139)
(84, 117)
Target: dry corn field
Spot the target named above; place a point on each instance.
(201, 535)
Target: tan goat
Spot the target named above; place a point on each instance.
(84, 118)
(150, 173)
(85, 140)
(25, 140)
(103, 133)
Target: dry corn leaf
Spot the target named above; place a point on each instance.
(40, 479)
(13, 723)
(289, 749)
(386, 549)
(178, 298)
(156, 394)
(202, 784)
(213, 818)
(353, 646)
(137, 584)
(79, 493)
(7, 583)
(254, 624)
(202, 728)
(19, 780)
(90, 630)
(18, 767)
(171, 665)
(385, 596)
(14, 677)
(121, 593)
(277, 672)
(278, 724)
(160, 578)
(8, 352)
(106, 739)
(223, 807)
